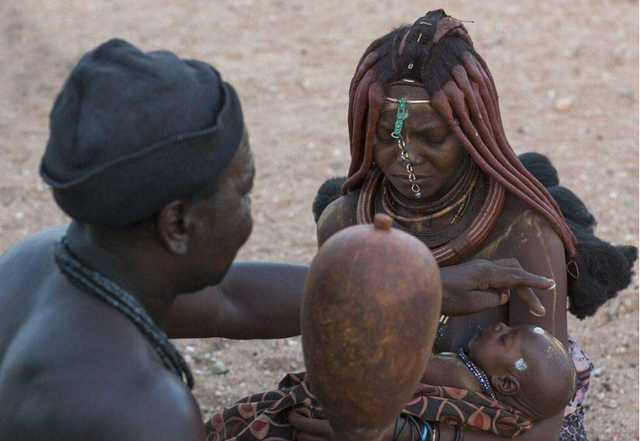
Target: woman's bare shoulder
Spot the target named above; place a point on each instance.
(338, 215)
(525, 219)
(519, 229)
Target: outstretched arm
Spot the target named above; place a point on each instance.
(261, 300)
(256, 300)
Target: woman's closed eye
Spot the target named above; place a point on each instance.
(384, 134)
(435, 136)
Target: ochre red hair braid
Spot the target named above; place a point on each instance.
(359, 90)
(468, 102)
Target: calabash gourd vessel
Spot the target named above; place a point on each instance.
(369, 317)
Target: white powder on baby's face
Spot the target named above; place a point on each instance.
(521, 365)
(538, 330)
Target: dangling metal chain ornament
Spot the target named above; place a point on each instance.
(401, 115)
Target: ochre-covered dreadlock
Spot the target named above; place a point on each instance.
(438, 53)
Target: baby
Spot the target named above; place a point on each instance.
(523, 366)
(511, 377)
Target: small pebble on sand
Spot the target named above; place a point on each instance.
(563, 105)
(219, 368)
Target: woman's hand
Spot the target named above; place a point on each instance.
(316, 429)
(475, 286)
(310, 429)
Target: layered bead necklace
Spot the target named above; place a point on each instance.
(457, 198)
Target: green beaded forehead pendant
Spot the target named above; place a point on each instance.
(401, 115)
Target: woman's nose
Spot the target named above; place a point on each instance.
(416, 154)
(417, 157)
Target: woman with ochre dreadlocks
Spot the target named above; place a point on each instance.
(428, 148)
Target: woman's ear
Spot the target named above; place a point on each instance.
(505, 384)
(171, 226)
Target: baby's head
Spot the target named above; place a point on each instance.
(528, 368)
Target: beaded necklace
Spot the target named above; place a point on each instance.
(458, 197)
(92, 282)
(451, 243)
(435, 236)
(485, 385)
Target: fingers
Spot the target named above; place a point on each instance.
(313, 427)
(481, 284)
(511, 275)
(492, 298)
(486, 299)
(505, 294)
(531, 300)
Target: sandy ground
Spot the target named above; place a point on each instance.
(566, 72)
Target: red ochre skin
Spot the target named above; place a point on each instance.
(369, 317)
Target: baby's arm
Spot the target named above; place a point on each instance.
(449, 371)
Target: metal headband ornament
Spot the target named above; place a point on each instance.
(401, 115)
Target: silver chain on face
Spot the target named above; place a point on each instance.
(401, 115)
(406, 162)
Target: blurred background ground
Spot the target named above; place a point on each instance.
(566, 71)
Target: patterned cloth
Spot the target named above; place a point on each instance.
(573, 425)
(262, 416)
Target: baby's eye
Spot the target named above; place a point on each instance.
(502, 338)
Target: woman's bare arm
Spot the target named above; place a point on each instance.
(338, 215)
(543, 253)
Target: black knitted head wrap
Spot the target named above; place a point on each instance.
(132, 131)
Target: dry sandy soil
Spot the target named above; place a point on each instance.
(566, 72)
